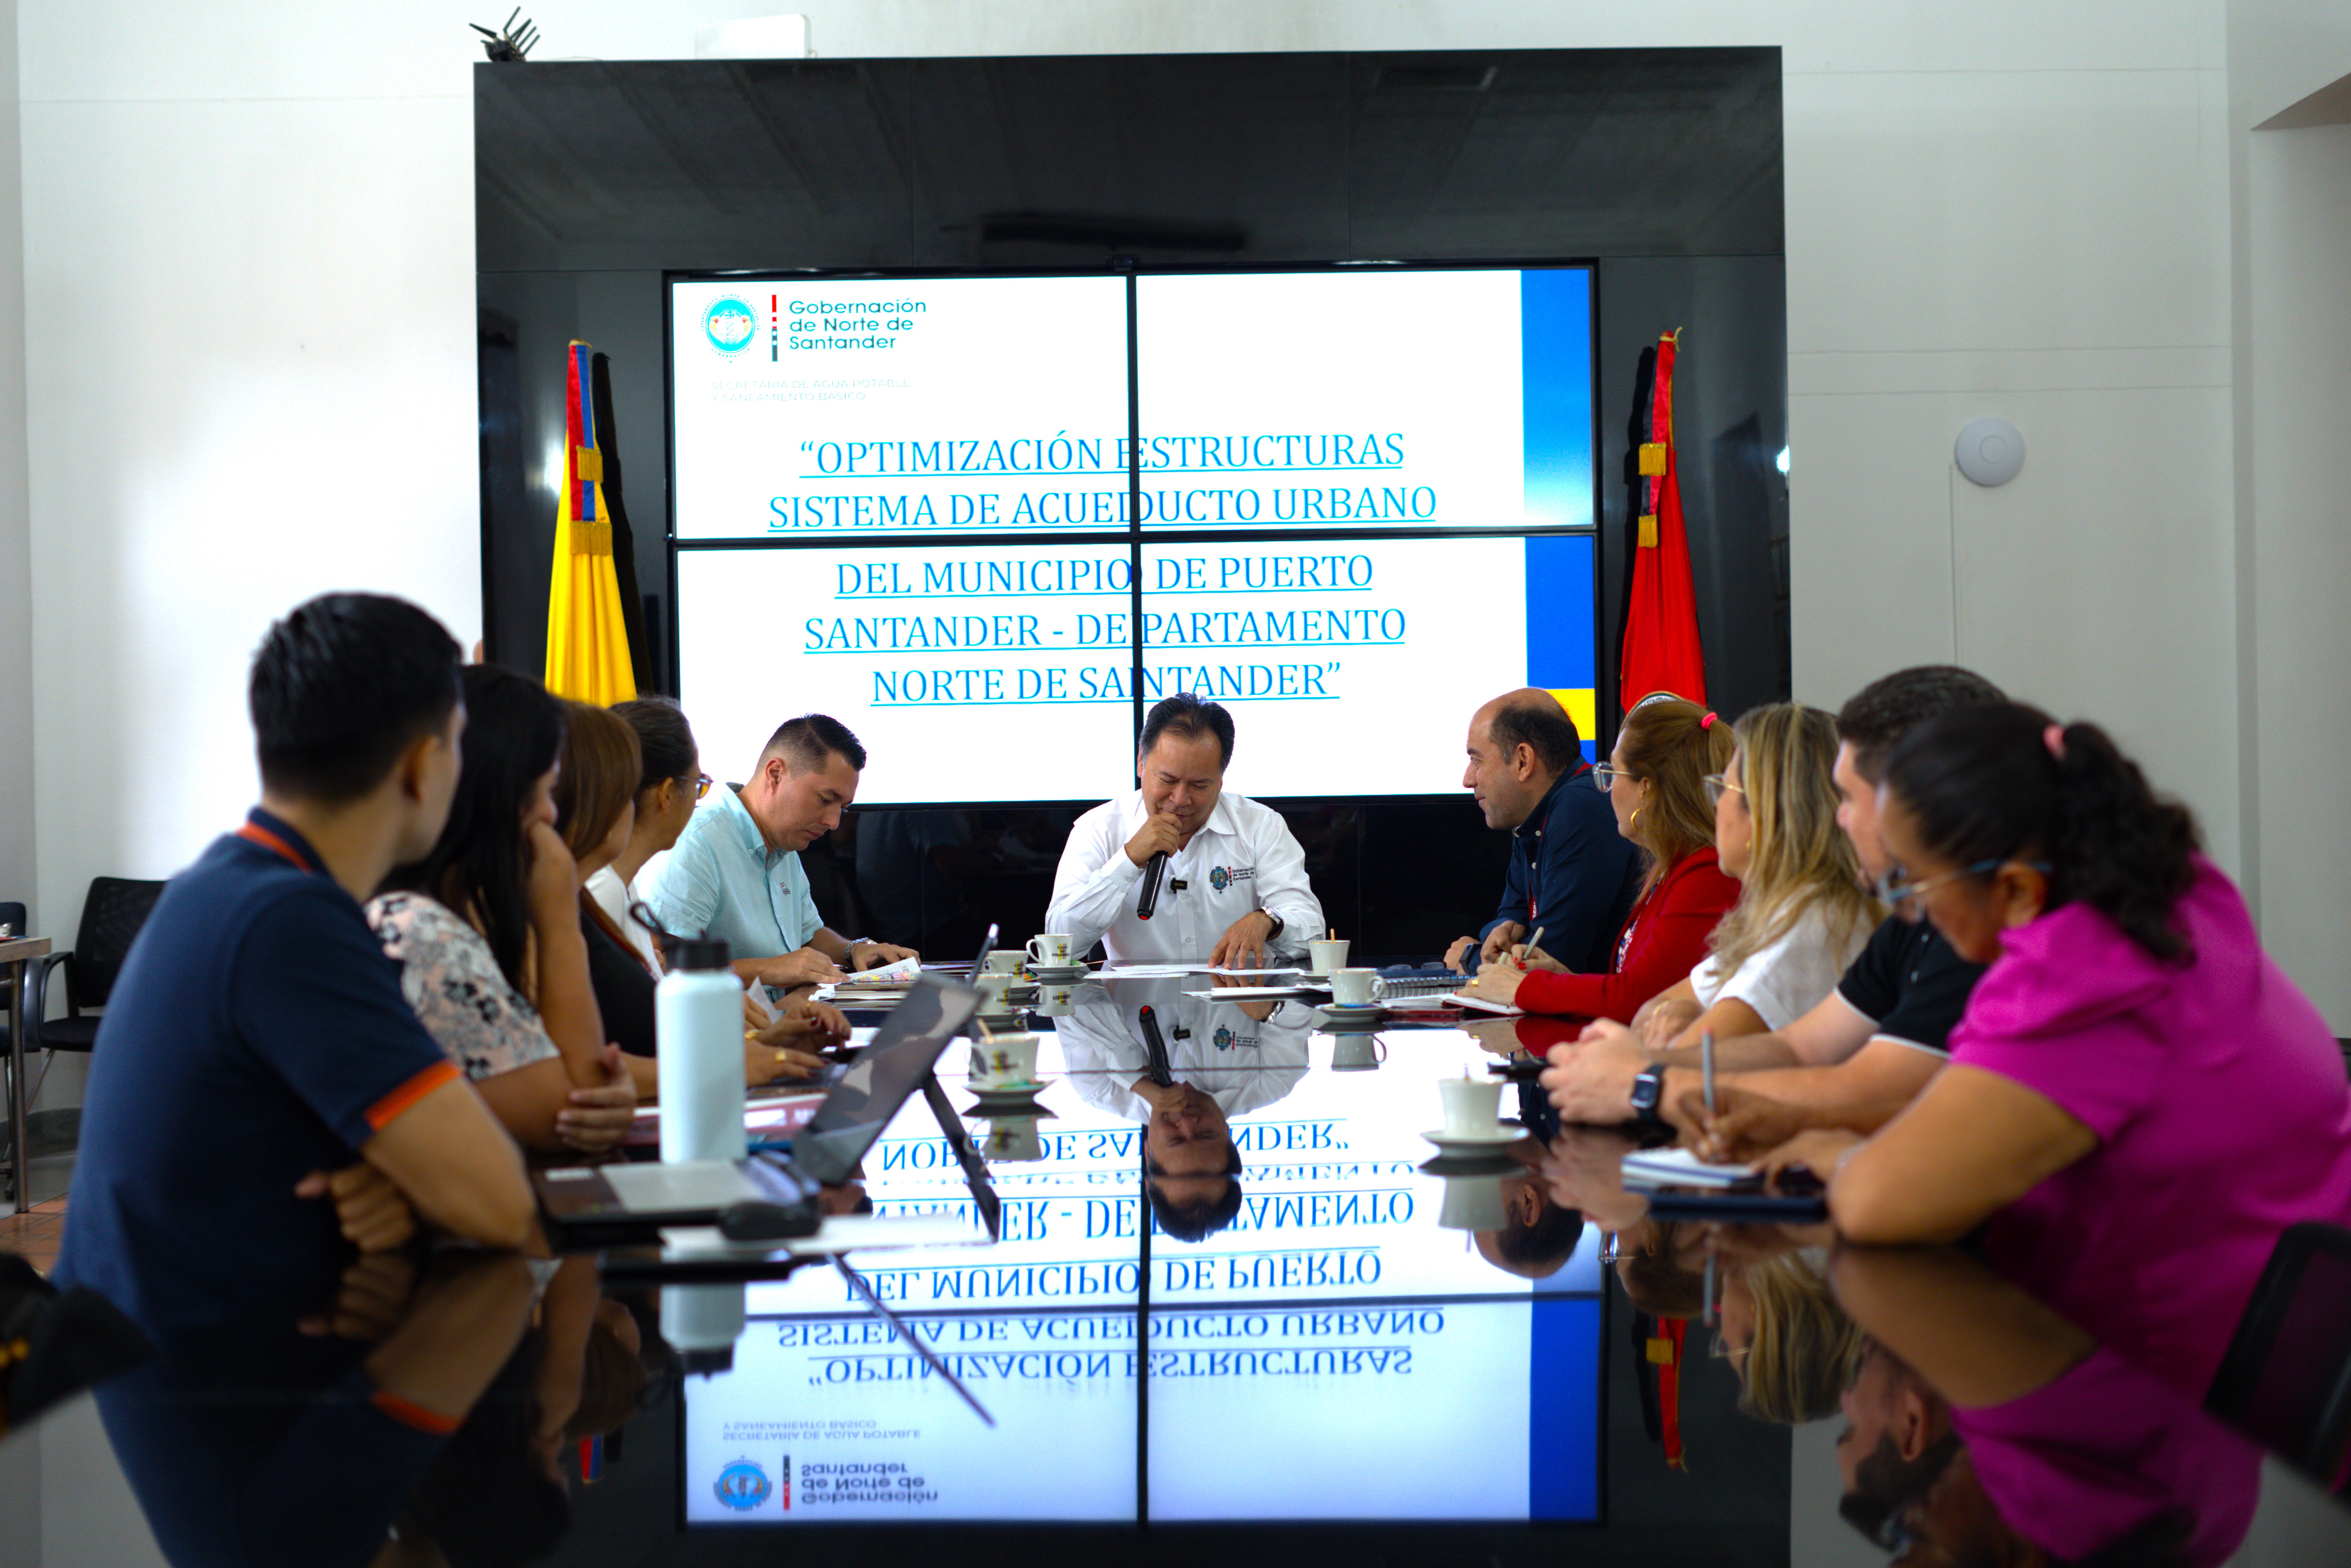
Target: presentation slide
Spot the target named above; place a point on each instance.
(1364, 399)
(832, 1420)
(998, 673)
(1333, 1327)
(931, 406)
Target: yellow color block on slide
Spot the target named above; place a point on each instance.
(1583, 707)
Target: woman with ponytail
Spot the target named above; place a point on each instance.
(1655, 780)
(2138, 1103)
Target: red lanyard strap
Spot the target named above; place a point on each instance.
(255, 833)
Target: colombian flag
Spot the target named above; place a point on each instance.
(587, 637)
(1661, 646)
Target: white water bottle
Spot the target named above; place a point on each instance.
(698, 1035)
(702, 1323)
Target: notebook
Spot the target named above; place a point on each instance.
(1681, 1167)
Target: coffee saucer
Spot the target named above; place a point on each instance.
(1059, 977)
(1502, 1136)
(1009, 1092)
(1352, 1010)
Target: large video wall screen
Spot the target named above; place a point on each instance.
(1342, 501)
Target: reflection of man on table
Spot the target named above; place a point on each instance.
(1233, 889)
(736, 873)
(1538, 1235)
(1220, 1060)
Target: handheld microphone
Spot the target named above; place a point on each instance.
(1153, 870)
(1162, 1071)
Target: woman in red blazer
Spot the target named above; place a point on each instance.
(1655, 780)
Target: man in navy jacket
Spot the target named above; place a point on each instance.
(1571, 875)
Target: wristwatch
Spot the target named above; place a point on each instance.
(1276, 933)
(1648, 1089)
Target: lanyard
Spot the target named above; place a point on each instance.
(255, 833)
(1534, 860)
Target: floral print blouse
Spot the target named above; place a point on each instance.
(452, 980)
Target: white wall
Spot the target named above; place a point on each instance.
(2291, 242)
(249, 302)
(16, 794)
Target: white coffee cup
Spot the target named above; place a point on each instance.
(992, 988)
(1473, 1106)
(1012, 1139)
(1473, 1203)
(1003, 961)
(1057, 1001)
(1356, 1052)
(1050, 951)
(1356, 988)
(1327, 954)
(1004, 1060)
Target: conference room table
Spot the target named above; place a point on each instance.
(1347, 1343)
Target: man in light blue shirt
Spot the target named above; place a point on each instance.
(735, 871)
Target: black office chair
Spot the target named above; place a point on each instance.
(2285, 1381)
(117, 907)
(13, 916)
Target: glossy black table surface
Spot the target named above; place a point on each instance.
(1251, 1312)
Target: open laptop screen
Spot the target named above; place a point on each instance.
(885, 1073)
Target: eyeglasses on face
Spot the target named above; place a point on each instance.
(1902, 897)
(1605, 775)
(701, 783)
(1715, 783)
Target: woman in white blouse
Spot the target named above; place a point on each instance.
(1803, 913)
(486, 931)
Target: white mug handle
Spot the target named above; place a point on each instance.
(1034, 955)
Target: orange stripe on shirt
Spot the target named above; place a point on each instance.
(409, 1414)
(380, 1115)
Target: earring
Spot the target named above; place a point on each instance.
(1634, 820)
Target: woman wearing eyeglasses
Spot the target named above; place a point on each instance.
(1656, 780)
(1802, 915)
(669, 781)
(2139, 1102)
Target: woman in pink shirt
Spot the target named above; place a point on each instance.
(2138, 1101)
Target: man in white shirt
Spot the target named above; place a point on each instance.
(1233, 890)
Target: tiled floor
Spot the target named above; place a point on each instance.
(35, 1233)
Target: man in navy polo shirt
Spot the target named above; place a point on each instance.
(258, 1036)
(1572, 875)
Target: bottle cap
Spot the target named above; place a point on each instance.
(699, 952)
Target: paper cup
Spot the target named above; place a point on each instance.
(1327, 954)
